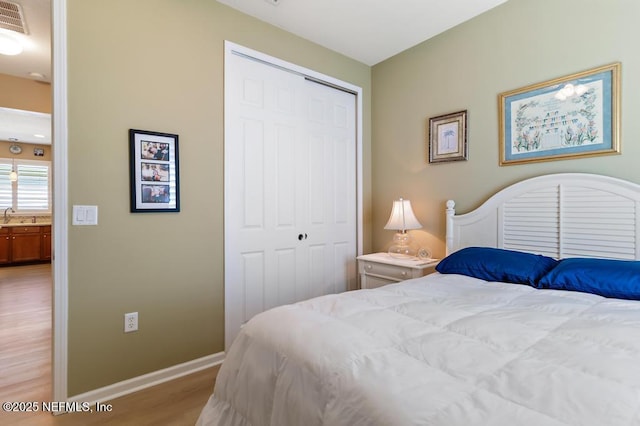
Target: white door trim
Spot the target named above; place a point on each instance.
(60, 198)
(233, 48)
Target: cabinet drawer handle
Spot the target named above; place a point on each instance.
(403, 273)
(369, 267)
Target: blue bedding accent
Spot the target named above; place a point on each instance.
(493, 264)
(609, 278)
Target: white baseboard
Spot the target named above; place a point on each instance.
(135, 384)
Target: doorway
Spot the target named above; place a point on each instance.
(38, 18)
(292, 194)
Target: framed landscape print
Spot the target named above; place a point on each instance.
(448, 137)
(154, 178)
(568, 117)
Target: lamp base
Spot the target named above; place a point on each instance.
(401, 247)
(402, 252)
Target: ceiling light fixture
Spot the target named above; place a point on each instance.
(9, 45)
(13, 175)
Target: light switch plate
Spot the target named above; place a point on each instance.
(85, 215)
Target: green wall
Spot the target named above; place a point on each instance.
(158, 65)
(511, 46)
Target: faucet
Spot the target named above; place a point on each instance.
(6, 219)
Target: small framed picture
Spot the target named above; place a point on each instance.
(448, 137)
(38, 152)
(154, 172)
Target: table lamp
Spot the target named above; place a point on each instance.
(402, 219)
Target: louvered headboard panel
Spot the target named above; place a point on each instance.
(530, 222)
(597, 223)
(560, 215)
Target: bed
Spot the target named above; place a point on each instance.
(532, 319)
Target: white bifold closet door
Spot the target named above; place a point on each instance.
(290, 189)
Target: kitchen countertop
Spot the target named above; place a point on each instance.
(14, 224)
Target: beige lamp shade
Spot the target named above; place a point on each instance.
(402, 217)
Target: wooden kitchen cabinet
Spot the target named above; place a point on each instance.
(25, 243)
(5, 246)
(45, 231)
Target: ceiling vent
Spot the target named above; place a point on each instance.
(11, 17)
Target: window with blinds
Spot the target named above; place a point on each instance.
(31, 192)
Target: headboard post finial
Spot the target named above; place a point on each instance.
(451, 211)
(451, 207)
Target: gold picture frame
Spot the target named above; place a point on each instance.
(448, 137)
(568, 117)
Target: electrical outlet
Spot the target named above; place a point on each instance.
(130, 322)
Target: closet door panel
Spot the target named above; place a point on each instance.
(290, 189)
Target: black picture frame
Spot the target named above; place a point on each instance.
(154, 172)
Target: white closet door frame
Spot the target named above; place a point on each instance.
(234, 49)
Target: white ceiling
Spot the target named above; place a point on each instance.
(369, 31)
(25, 126)
(36, 56)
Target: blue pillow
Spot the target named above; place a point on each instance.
(606, 277)
(492, 264)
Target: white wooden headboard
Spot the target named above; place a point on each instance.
(558, 215)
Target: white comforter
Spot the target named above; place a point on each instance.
(442, 350)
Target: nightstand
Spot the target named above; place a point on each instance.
(378, 269)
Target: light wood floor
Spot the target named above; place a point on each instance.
(25, 365)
